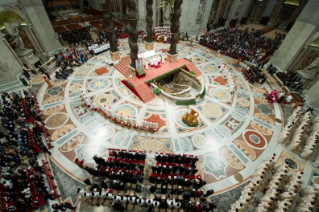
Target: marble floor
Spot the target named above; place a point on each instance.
(235, 132)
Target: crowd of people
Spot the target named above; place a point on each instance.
(77, 36)
(123, 181)
(21, 188)
(291, 80)
(246, 45)
(255, 75)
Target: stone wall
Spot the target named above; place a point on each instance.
(10, 65)
(37, 16)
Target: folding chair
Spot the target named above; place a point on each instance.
(137, 207)
(151, 196)
(130, 206)
(106, 202)
(101, 201)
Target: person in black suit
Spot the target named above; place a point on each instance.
(176, 158)
(152, 188)
(159, 158)
(163, 204)
(170, 158)
(67, 205)
(164, 158)
(57, 207)
(175, 168)
(87, 182)
(159, 169)
(103, 184)
(164, 187)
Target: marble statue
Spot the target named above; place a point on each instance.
(310, 73)
(168, 11)
(11, 29)
(200, 12)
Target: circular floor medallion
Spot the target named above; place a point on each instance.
(220, 94)
(238, 177)
(99, 84)
(243, 102)
(255, 139)
(199, 141)
(72, 144)
(56, 120)
(105, 133)
(37, 79)
(292, 164)
(154, 145)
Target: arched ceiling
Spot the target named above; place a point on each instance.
(293, 2)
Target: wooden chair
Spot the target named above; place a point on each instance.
(115, 191)
(175, 186)
(192, 199)
(132, 193)
(163, 196)
(133, 186)
(174, 196)
(169, 186)
(130, 206)
(136, 207)
(158, 196)
(155, 209)
(180, 197)
(95, 201)
(101, 200)
(127, 192)
(197, 199)
(175, 210)
(162, 210)
(120, 193)
(159, 186)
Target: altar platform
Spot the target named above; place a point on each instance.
(142, 90)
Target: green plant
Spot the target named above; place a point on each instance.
(187, 59)
(157, 90)
(202, 95)
(192, 72)
(140, 72)
(189, 102)
(130, 84)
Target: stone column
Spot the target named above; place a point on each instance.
(132, 22)
(43, 30)
(149, 27)
(297, 11)
(249, 8)
(303, 29)
(276, 11)
(110, 30)
(10, 65)
(172, 53)
(221, 2)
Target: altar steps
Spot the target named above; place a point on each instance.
(122, 66)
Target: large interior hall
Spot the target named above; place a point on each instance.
(159, 105)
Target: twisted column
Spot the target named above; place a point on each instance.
(149, 20)
(175, 26)
(131, 28)
(110, 26)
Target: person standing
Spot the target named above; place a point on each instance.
(67, 205)
(48, 82)
(24, 82)
(47, 74)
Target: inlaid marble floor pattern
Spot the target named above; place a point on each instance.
(235, 132)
